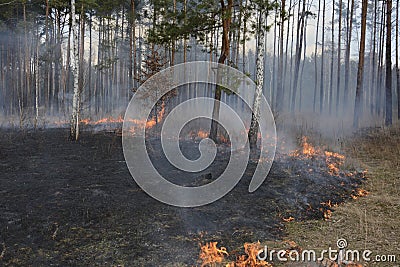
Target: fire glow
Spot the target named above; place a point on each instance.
(211, 255)
(333, 160)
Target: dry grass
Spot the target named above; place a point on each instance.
(370, 222)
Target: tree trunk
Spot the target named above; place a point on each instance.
(347, 59)
(259, 80)
(90, 65)
(37, 79)
(339, 57)
(380, 63)
(226, 16)
(321, 86)
(388, 84)
(315, 59)
(397, 60)
(299, 48)
(185, 39)
(173, 41)
(360, 73)
(373, 74)
(280, 89)
(332, 58)
(75, 71)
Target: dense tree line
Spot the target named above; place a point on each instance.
(86, 57)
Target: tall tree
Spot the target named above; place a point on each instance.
(347, 56)
(388, 84)
(299, 49)
(330, 100)
(397, 60)
(360, 72)
(321, 85)
(339, 56)
(74, 134)
(280, 94)
(259, 79)
(226, 16)
(315, 58)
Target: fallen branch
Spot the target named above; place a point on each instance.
(55, 231)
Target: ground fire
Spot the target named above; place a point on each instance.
(211, 255)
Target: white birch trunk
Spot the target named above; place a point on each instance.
(37, 84)
(259, 81)
(75, 72)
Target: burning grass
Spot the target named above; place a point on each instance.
(371, 220)
(211, 255)
(319, 163)
(333, 160)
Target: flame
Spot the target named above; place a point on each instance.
(308, 149)
(359, 193)
(202, 134)
(290, 219)
(250, 259)
(333, 160)
(210, 255)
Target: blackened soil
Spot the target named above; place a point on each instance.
(66, 203)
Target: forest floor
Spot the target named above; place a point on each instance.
(66, 203)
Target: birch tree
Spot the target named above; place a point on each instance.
(259, 80)
(75, 73)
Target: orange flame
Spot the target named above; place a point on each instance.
(308, 149)
(211, 254)
(333, 160)
(250, 259)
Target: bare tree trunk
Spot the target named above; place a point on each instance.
(273, 72)
(81, 53)
(37, 80)
(27, 63)
(373, 73)
(185, 39)
(244, 39)
(287, 50)
(259, 80)
(339, 57)
(397, 60)
(173, 42)
(299, 48)
(303, 63)
(321, 86)
(280, 89)
(90, 65)
(132, 45)
(75, 70)
(315, 59)
(332, 58)
(347, 59)
(360, 73)
(388, 84)
(226, 16)
(380, 63)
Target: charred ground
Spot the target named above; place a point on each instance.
(75, 203)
